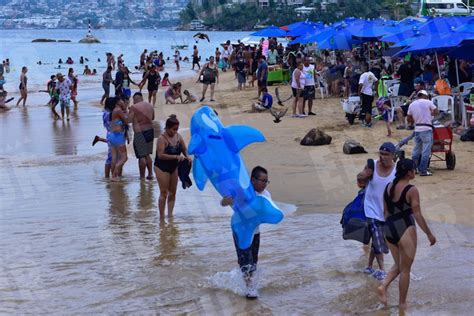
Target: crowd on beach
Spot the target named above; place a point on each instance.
(392, 203)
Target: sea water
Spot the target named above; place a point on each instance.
(18, 47)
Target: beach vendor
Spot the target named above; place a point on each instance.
(248, 258)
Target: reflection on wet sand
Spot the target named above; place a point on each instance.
(145, 197)
(64, 142)
(169, 240)
(119, 204)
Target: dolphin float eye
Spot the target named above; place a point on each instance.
(213, 116)
(206, 120)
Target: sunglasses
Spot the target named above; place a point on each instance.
(263, 181)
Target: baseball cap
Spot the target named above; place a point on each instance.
(423, 92)
(388, 147)
(59, 75)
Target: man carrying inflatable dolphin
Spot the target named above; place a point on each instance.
(248, 258)
(216, 158)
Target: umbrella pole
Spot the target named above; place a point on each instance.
(437, 65)
(457, 72)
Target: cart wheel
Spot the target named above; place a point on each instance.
(350, 118)
(450, 160)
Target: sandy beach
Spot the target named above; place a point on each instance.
(82, 238)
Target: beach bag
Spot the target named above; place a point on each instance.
(353, 221)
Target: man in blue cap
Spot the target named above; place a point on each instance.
(377, 174)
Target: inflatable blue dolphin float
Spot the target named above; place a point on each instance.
(216, 157)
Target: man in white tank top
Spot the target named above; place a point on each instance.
(377, 179)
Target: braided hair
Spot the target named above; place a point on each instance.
(403, 167)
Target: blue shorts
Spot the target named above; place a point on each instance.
(108, 161)
(126, 92)
(116, 138)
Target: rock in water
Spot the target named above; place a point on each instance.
(352, 146)
(43, 40)
(316, 137)
(89, 39)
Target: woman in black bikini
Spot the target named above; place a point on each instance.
(170, 150)
(23, 86)
(400, 230)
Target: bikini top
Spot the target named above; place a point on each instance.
(400, 208)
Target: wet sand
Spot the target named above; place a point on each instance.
(79, 244)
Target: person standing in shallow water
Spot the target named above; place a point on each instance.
(170, 150)
(23, 86)
(400, 229)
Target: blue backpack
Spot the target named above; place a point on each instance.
(353, 221)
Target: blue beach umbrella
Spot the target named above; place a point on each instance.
(339, 38)
(305, 28)
(272, 31)
(438, 42)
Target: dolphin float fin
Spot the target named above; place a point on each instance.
(196, 145)
(239, 136)
(244, 221)
(199, 174)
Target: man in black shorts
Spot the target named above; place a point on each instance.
(262, 74)
(367, 82)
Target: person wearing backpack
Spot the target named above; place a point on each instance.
(209, 75)
(377, 174)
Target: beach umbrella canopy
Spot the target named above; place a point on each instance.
(431, 27)
(305, 28)
(337, 38)
(272, 31)
(438, 42)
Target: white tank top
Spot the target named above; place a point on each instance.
(373, 202)
(293, 79)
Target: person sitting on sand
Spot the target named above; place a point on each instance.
(248, 258)
(190, 98)
(87, 71)
(3, 99)
(265, 103)
(173, 93)
(400, 229)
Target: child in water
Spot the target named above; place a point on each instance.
(248, 258)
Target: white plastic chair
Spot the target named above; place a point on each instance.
(445, 103)
(390, 83)
(396, 102)
(465, 88)
(393, 90)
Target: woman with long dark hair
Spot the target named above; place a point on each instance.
(170, 150)
(402, 209)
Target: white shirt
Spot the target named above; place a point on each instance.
(266, 194)
(294, 83)
(308, 73)
(367, 80)
(421, 109)
(373, 202)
